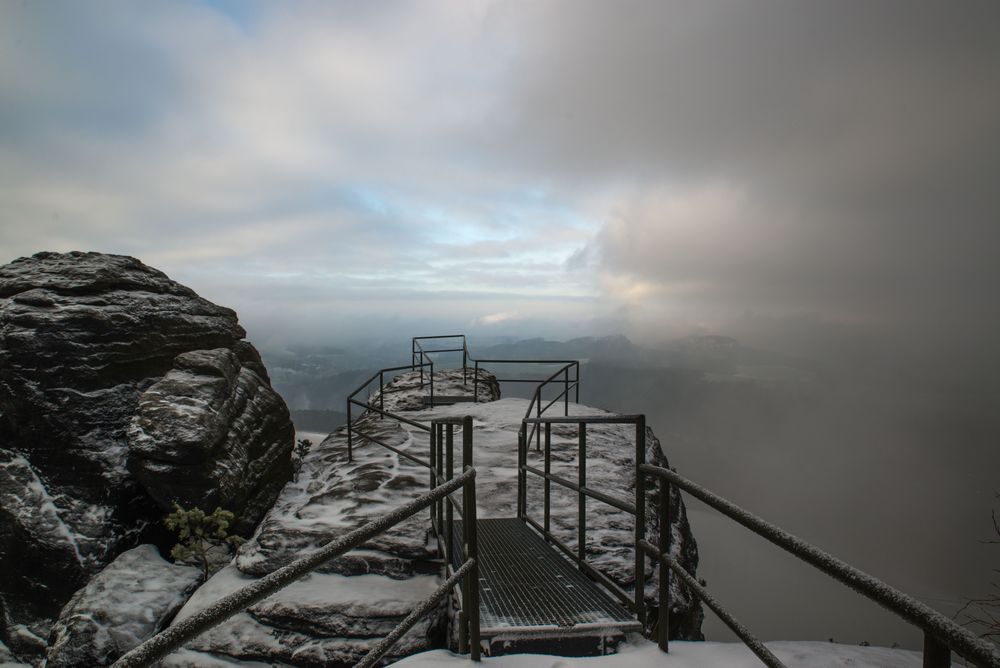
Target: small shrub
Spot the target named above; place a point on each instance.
(302, 448)
(198, 532)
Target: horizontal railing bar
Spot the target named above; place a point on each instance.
(608, 583)
(439, 336)
(559, 396)
(523, 380)
(418, 425)
(173, 637)
(589, 419)
(382, 371)
(428, 604)
(444, 350)
(948, 632)
(487, 361)
(401, 453)
(592, 493)
(748, 638)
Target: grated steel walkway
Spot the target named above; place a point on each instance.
(527, 587)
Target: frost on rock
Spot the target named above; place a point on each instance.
(322, 619)
(8, 660)
(333, 616)
(212, 433)
(123, 605)
(82, 337)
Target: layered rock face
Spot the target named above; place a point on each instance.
(84, 339)
(212, 433)
(123, 605)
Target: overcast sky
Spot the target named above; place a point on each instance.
(553, 168)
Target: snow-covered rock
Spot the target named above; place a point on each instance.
(333, 617)
(129, 601)
(639, 653)
(212, 433)
(8, 660)
(320, 620)
(82, 337)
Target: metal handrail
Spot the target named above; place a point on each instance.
(536, 400)
(380, 374)
(636, 601)
(941, 634)
(173, 637)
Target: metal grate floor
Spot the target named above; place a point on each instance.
(526, 586)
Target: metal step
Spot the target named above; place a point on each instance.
(534, 600)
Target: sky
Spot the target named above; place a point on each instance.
(551, 168)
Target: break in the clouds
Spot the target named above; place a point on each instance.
(548, 165)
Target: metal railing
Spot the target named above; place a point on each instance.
(380, 409)
(442, 459)
(941, 634)
(634, 602)
(175, 636)
(420, 354)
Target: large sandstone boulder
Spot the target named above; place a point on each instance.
(82, 337)
(212, 433)
(123, 605)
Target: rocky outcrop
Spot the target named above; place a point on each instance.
(83, 337)
(212, 433)
(333, 617)
(129, 601)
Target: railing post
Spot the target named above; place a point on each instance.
(449, 509)
(577, 364)
(663, 545)
(472, 541)
(470, 589)
(434, 468)
(350, 436)
(581, 498)
(640, 520)
(538, 413)
(381, 393)
(548, 470)
(432, 381)
(465, 359)
(475, 385)
(936, 653)
(521, 477)
(566, 390)
(466, 441)
(439, 444)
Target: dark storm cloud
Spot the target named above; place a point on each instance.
(833, 158)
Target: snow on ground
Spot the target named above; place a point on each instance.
(640, 653)
(7, 659)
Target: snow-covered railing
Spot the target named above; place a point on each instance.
(941, 634)
(636, 601)
(367, 405)
(419, 353)
(442, 470)
(175, 636)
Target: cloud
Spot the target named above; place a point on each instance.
(497, 318)
(786, 159)
(673, 161)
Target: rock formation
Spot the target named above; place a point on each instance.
(93, 348)
(126, 603)
(334, 617)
